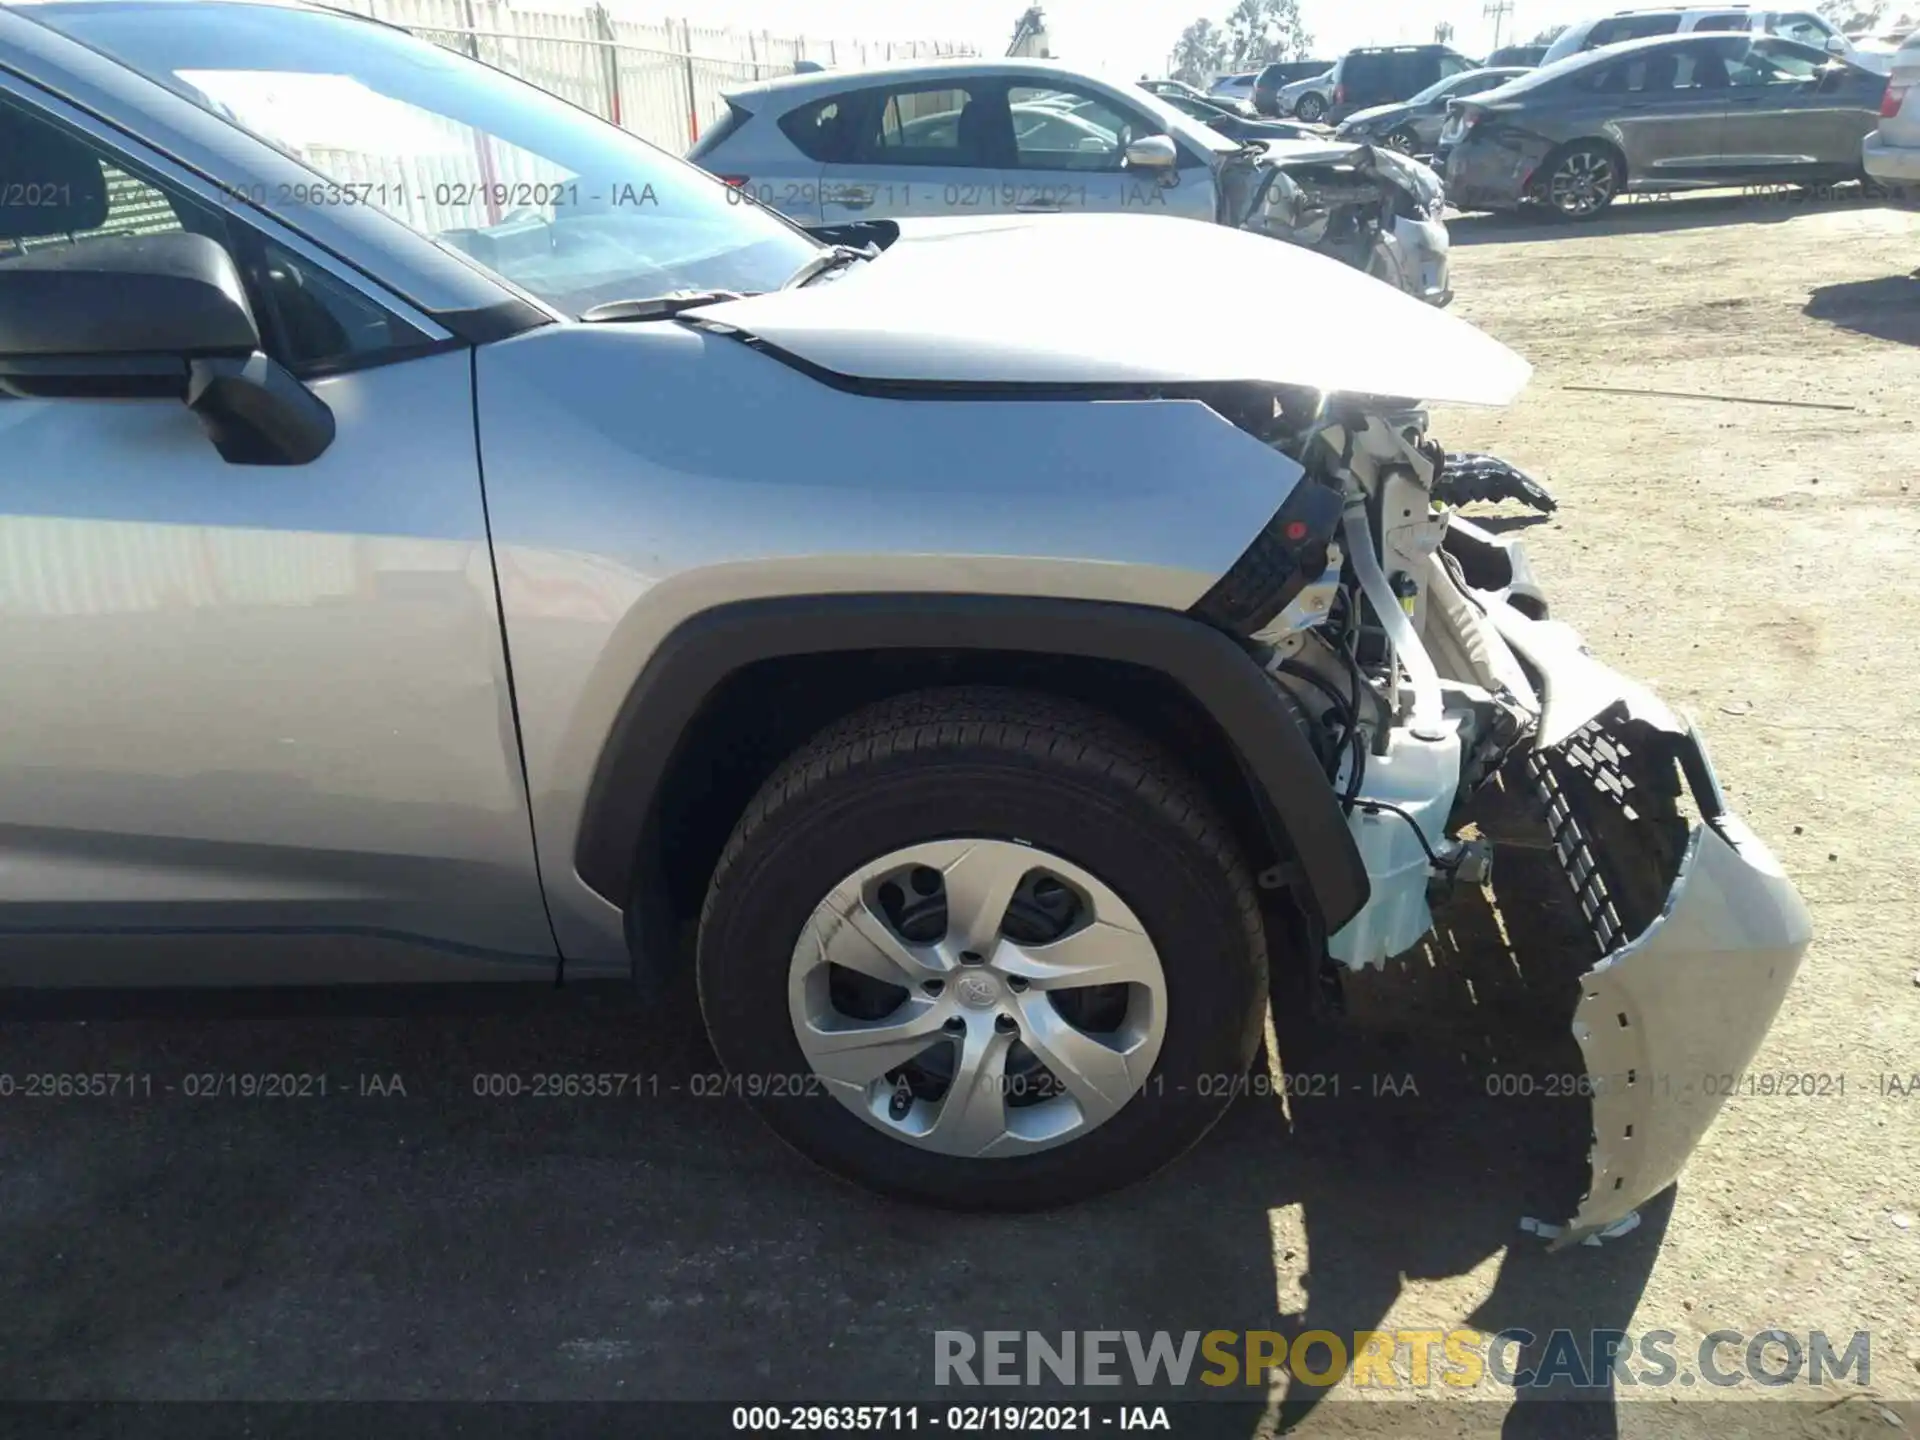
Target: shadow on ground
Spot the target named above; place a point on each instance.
(1658, 214)
(450, 1244)
(1887, 308)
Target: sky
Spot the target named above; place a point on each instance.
(1118, 41)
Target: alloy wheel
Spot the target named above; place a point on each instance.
(977, 997)
(1582, 183)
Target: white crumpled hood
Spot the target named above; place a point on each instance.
(1105, 299)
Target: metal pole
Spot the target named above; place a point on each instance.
(603, 22)
(693, 106)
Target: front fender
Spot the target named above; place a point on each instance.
(639, 476)
(620, 836)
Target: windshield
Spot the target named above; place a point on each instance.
(565, 206)
(1462, 84)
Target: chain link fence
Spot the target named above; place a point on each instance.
(662, 81)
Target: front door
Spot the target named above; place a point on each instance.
(920, 149)
(257, 720)
(1792, 117)
(1070, 154)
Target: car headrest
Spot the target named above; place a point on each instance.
(50, 183)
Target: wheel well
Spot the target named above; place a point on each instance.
(762, 712)
(1599, 142)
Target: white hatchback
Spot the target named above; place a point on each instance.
(837, 151)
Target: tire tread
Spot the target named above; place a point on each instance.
(1015, 722)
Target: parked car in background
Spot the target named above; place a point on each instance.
(1891, 153)
(1383, 74)
(1306, 100)
(1237, 126)
(1524, 56)
(1234, 87)
(1169, 89)
(1413, 126)
(1277, 76)
(975, 137)
(1805, 26)
(1670, 113)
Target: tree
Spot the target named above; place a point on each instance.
(1263, 30)
(1201, 52)
(1443, 33)
(1852, 15)
(1548, 35)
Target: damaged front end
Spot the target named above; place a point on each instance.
(1428, 663)
(1373, 209)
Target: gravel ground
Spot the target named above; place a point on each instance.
(1753, 561)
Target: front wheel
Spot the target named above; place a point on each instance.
(1311, 108)
(1403, 140)
(1581, 181)
(983, 949)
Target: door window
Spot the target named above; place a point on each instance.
(1642, 75)
(1057, 129)
(1729, 20)
(945, 125)
(819, 129)
(59, 188)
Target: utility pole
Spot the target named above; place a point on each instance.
(1498, 11)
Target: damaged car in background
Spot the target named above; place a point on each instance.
(1011, 682)
(840, 153)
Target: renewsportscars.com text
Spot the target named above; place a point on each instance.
(1400, 1359)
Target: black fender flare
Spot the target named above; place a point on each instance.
(705, 649)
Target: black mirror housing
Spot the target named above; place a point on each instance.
(257, 413)
(176, 294)
(155, 317)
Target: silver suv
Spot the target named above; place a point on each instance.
(447, 537)
(1805, 27)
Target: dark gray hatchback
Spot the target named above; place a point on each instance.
(1671, 113)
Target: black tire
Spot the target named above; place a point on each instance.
(980, 761)
(1404, 141)
(1311, 108)
(1591, 157)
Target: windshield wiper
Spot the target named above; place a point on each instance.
(657, 307)
(832, 258)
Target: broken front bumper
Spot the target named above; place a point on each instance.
(1699, 929)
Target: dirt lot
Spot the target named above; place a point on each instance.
(1757, 562)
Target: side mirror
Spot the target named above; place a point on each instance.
(155, 316)
(1152, 152)
(1836, 45)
